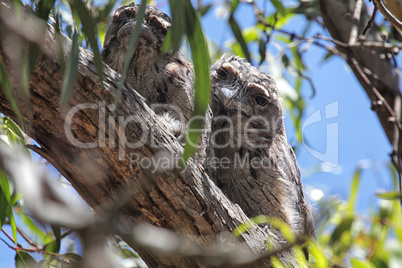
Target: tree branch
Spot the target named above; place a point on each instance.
(376, 74)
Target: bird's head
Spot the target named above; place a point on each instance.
(245, 98)
(153, 32)
(166, 79)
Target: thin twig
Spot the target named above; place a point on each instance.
(355, 22)
(10, 237)
(370, 22)
(32, 243)
(376, 93)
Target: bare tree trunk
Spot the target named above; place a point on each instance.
(91, 143)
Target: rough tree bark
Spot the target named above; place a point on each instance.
(190, 204)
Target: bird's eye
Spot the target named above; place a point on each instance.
(162, 31)
(262, 101)
(222, 73)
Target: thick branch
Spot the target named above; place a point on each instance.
(102, 149)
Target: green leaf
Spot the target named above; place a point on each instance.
(395, 259)
(135, 34)
(53, 246)
(279, 7)
(204, 9)
(262, 50)
(283, 227)
(390, 195)
(279, 21)
(33, 228)
(298, 60)
(233, 5)
(70, 72)
(13, 131)
(285, 60)
(178, 23)
(44, 7)
(319, 256)
(5, 205)
(344, 226)
(327, 56)
(5, 186)
(8, 90)
(356, 263)
(242, 228)
(73, 260)
(24, 260)
(353, 190)
(276, 263)
(5, 194)
(202, 84)
(13, 225)
(298, 253)
(239, 37)
(89, 27)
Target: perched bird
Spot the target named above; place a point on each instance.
(254, 164)
(167, 80)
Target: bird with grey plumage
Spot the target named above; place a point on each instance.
(165, 82)
(253, 162)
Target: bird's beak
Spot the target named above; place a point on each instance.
(224, 94)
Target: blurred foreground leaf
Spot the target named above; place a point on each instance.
(70, 72)
(89, 28)
(239, 37)
(390, 195)
(24, 260)
(202, 85)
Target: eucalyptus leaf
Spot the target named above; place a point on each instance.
(279, 7)
(178, 23)
(24, 260)
(70, 72)
(239, 37)
(202, 85)
(88, 26)
(390, 195)
(44, 7)
(5, 194)
(262, 50)
(204, 9)
(344, 226)
(354, 190)
(8, 90)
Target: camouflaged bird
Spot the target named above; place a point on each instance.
(166, 80)
(257, 167)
